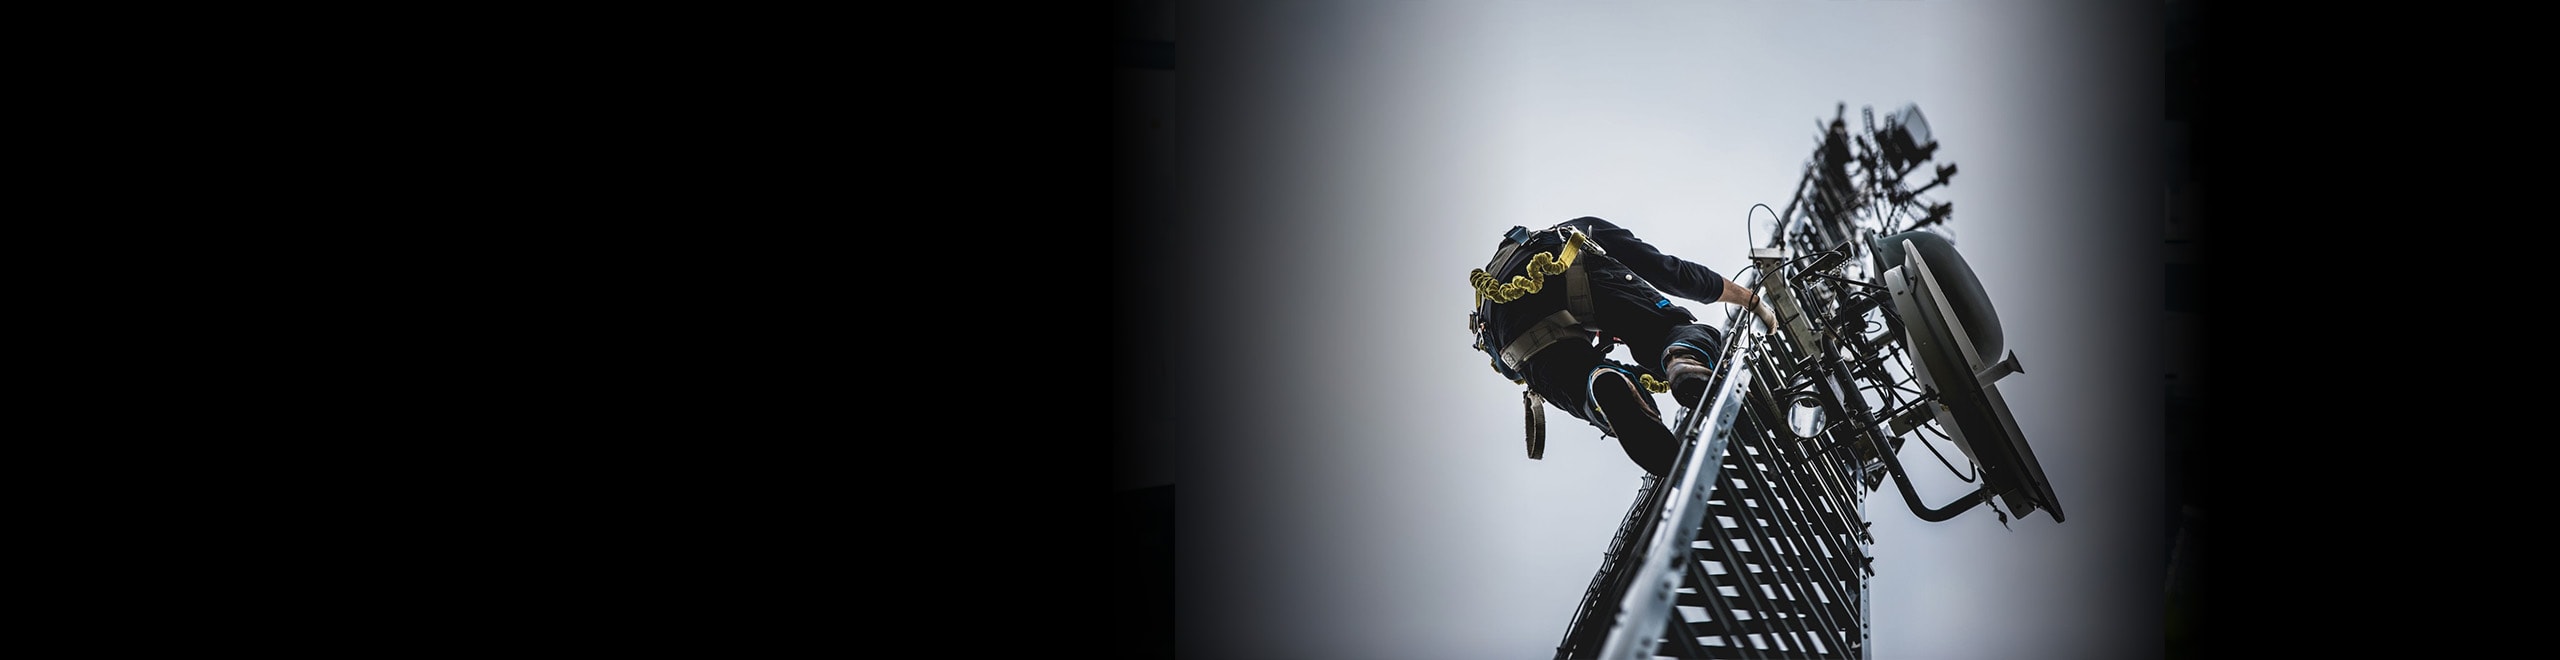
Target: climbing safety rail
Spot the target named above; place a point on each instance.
(1757, 550)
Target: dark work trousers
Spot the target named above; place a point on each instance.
(1629, 311)
(1563, 372)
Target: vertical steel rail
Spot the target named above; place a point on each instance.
(1608, 583)
(1643, 611)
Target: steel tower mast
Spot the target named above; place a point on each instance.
(1756, 545)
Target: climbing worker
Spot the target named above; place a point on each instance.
(1550, 303)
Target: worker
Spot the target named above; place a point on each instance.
(1550, 304)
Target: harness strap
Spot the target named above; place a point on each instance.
(1577, 287)
(1554, 328)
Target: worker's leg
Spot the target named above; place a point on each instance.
(1671, 345)
(1583, 382)
(1689, 357)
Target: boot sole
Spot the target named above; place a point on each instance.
(1644, 437)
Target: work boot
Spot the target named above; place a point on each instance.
(1627, 412)
(1689, 375)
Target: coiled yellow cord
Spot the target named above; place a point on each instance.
(1540, 266)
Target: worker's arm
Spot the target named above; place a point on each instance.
(1671, 274)
(1734, 293)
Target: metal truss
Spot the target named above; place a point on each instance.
(1756, 544)
(1773, 549)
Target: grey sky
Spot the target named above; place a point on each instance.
(1355, 486)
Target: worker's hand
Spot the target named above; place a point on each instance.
(1767, 316)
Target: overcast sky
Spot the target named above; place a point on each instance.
(1350, 473)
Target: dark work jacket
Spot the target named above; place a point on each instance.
(1655, 273)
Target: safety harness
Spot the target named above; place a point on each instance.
(1577, 320)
